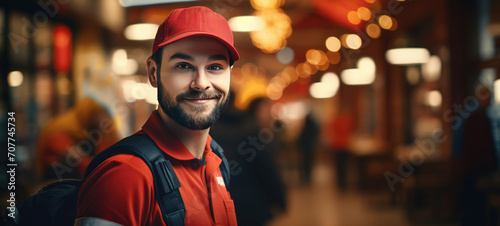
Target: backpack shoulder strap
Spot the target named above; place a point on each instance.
(166, 182)
(224, 166)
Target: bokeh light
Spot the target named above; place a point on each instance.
(266, 4)
(15, 78)
(434, 98)
(385, 22)
(407, 56)
(353, 41)
(431, 71)
(412, 75)
(364, 13)
(285, 55)
(353, 17)
(246, 23)
(333, 44)
(326, 88)
(373, 30)
(333, 57)
(313, 56)
(278, 28)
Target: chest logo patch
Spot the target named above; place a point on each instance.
(220, 181)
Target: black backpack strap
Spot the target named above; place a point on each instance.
(224, 166)
(166, 182)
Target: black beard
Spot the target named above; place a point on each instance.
(194, 122)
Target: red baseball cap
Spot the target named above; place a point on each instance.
(194, 21)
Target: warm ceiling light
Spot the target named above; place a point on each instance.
(373, 30)
(367, 64)
(309, 69)
(431, 70)
(353, 17)
(277, 29)
(15, 78)
(412, 75)
(333, 57)
(265, 4)
(246, 23)
(407, 56)
(324, 66)
(301, 71)
(364, 13)
(496, 88)
(141, 31)
(313, 56)
(292, 72)
(394, 24)
(326, 88)
(121, 65)
(129, 3)
(364, 74)
(434, 98)
(385, 22)
(274, 92)
(332, 43)
(353, 41)
(356, 76)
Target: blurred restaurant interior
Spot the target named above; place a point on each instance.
(343, 112)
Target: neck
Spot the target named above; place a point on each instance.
(194, 140)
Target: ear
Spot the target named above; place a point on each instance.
(152, 72)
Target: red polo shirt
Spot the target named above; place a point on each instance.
(121, 189)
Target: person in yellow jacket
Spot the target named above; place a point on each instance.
(68, 142)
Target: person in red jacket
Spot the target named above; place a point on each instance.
(191, 66)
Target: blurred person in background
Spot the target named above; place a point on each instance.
(308, 141)
(68, 142)
(478, 159)
(256, 187)
(339, 129)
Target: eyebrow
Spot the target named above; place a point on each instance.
(190, 58)
(218, 57)
(181, 56)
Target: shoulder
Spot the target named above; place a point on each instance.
(122, 165)
(115, 190)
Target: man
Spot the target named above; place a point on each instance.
(191, 66)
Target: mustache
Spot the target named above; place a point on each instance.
(195, 94)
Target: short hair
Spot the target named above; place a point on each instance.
(157, 57)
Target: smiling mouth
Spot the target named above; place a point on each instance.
(199, 101)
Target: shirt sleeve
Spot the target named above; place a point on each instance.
(120, 190)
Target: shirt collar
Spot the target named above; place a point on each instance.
(167, 141)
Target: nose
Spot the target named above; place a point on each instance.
(200, 81)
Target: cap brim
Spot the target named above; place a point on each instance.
(234, 53)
